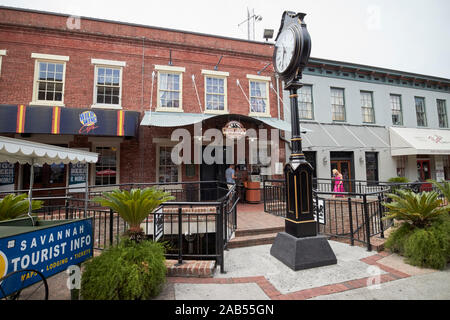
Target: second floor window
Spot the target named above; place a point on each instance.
(305, 103)
(337, 104)
(420, 112)
(442, 113)
(169, 91)
(215, 94)
(108, 86)
(259, 97)
(368, 114)
(396, 108)
(49, 82)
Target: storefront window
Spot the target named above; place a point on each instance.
(106, 167)
(401, 166)
(167, 170)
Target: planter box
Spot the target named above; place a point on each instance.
(49, 247)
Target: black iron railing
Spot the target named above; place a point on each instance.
(197, 224)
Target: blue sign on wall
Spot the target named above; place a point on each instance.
(49, 251)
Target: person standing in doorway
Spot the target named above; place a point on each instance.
(230, 176)
(338, 184)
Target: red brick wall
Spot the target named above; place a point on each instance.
(22, 33)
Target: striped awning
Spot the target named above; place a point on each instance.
(65, 120)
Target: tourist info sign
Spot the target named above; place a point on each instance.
(50, 251)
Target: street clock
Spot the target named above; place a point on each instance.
(292, 47)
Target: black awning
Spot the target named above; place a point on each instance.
(62, 120)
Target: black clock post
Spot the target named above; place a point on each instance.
(299, 247)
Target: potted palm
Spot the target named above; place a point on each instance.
(134, 206)
(134, 269)
(16, 206)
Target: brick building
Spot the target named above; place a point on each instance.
(117, 89)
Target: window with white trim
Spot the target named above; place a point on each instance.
(420, 112)
(442, 113)
(368, 114)
(305, 103)
(49, 78)
(167, 172)
(2, 53)
(259, 95)
(108, 83)
(170, 88)
(215, 91)
(396, 107)
(106, 167)
(337, 104)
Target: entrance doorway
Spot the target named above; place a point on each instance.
(423, 170)
(343, 162)
(213, 172)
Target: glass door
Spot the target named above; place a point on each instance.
(344, 167)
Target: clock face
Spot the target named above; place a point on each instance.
(285, 48)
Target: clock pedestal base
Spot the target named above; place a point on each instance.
(303, 253)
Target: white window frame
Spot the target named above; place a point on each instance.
(167, 144)
(172, 70)
(111, 64)
(2, 53)
(266, 81)
(309, 103)
(218, 75)
(104, 142)
(39, 57)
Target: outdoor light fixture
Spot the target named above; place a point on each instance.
(325, 161)
(268, 34)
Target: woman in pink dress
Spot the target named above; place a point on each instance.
(338, 184)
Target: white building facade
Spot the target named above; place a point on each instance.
(373, 124)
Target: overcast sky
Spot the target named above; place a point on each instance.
(406, 35)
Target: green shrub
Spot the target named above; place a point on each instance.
(15, 206)
(130, 271)
(424, 247)
(418, 209)
(399, 180)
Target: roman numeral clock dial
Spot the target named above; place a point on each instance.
(285, 48)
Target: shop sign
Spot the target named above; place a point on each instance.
(49, 251)
(6, 176)
(234, 130)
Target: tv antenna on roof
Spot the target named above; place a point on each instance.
(251, 18)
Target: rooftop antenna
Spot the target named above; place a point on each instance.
(253, 18)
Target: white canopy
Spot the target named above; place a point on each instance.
(412, 141)
(22, 151)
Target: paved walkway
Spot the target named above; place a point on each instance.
(253, 274)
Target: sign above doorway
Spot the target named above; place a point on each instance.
(234, 130)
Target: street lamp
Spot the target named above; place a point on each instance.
(299, 247)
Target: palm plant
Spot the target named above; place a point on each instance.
(417, 209)
(15, 206)
(444, 187)
(134, 206)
